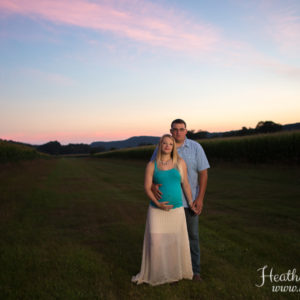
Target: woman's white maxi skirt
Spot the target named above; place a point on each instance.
(166, 251)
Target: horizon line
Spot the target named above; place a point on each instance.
(124, 139)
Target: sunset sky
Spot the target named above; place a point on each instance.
(98, 70)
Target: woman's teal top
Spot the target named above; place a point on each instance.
(170, 181)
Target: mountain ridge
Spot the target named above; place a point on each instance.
(134, 141)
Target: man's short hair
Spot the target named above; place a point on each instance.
(178, 121)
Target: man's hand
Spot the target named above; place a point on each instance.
(192, 208)
(197, 206)
(155, 190)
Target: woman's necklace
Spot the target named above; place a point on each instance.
(165, 163)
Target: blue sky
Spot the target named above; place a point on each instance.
(83, 71)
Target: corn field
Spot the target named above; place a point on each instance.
(13, 152)
(283, 147)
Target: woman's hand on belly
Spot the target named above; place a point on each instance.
(165, 206)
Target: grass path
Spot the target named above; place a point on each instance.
(72, 228)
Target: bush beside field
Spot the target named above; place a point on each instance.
(10, 152)
(283, 147)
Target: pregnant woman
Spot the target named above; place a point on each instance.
(166, 251)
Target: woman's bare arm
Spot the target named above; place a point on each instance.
(148, 184)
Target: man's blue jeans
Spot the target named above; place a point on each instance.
(193, 231)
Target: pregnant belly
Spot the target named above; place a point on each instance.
(174, 198)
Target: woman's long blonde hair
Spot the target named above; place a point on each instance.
(174, 154)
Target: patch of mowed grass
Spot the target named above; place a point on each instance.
(52, 270)
(73, 228)
(58, 208)
(251, 219)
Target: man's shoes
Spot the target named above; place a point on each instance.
(197, 277)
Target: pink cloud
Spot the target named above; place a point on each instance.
(285, 30)
(244, 54)
(282, 24)
(140, 21)
(276, 66)
(54, 78)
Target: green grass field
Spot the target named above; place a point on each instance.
(72, 228)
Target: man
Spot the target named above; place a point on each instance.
(197, 165)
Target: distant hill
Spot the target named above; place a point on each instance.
(131, 142)
(294, 126)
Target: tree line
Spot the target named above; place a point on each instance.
(261, 127)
